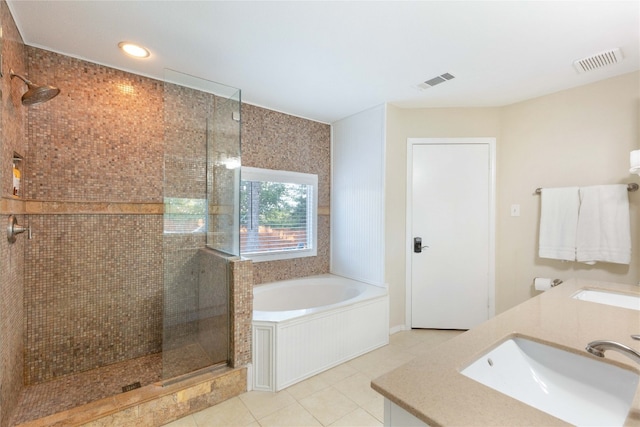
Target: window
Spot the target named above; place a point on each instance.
(183, 215)
(278, 211)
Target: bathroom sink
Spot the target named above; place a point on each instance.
(609, 298)
(577, 389)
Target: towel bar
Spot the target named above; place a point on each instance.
(630, 187)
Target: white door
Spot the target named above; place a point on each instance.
(451, 211)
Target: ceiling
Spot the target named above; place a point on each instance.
(326, 60)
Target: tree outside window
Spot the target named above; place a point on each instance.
(277, 216)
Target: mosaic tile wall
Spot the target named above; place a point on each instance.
(153, 405)
(93, 191)
(275, 140)
(196, 312)
(94, 300)
(181, 274)
(12, 138)
(100, 147)
(185, 178)
(198, 123)
(13, 113)
(101, 139)
(93, 293)
(213, 305)
(186, 142)
(195, 280)
(223, 179)
(241, 311)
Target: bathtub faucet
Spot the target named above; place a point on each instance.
(597, 348)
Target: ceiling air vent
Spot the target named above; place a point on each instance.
(435, 81)
(599, 60)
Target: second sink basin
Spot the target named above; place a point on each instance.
(609, 298)
(574, 388)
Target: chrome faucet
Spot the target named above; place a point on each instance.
(597, 348)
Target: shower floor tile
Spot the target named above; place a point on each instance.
(70, 391)
(78, 389)
(184, 360)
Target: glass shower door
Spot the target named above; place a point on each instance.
(223, 176)
(200, 198)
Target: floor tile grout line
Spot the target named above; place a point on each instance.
(402, 351)
(249, 410)
(337, 391)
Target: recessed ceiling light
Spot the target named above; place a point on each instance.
(134, 50)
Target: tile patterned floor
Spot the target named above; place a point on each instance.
(78, 389)
(74, 390)
(341, 396)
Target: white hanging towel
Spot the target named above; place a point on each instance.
(604, 225)
(558, 223)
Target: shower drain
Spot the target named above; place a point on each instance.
(132, 386)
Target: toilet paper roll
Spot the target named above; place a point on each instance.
(634, 162)
(542, 283)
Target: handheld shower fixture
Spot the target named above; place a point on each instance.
(36, 94)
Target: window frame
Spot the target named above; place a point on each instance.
(289, 177)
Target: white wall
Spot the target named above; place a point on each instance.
(418, 123)
(357, 196)
(580, 136)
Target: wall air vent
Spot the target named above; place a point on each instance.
(435, 81)
(599, 60)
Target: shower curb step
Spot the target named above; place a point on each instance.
(153, 405)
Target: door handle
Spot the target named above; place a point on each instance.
(417, 245)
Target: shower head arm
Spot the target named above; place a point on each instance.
(12, 75)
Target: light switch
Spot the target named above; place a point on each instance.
(515, 210)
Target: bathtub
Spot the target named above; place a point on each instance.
(304, 326)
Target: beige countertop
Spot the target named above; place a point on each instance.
(432, 388)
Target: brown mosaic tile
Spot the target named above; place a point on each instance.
(74, 390)
(101, 139)
(213, 305)
(100, 274)
(12, 139)
(241, 301)
(14, 115)
(223, 182)
(106, 122)
(274, 140)
(151, 405)
(93, 294)
(185, 133)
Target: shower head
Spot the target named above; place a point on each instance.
(36, 94)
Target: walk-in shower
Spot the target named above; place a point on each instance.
(135, 235)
